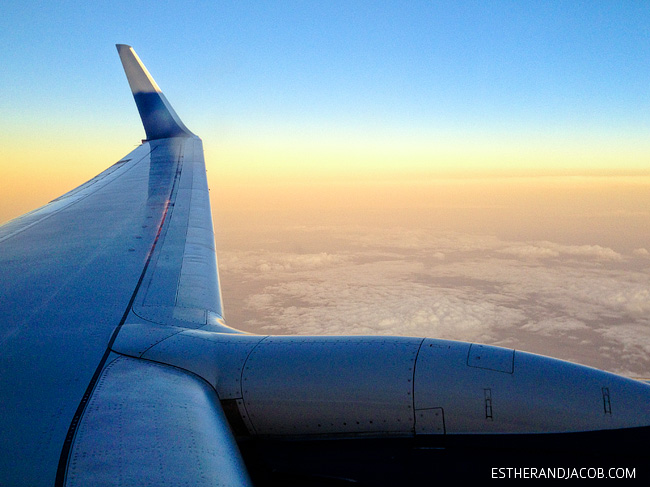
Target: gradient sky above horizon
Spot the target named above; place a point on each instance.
(298, 93)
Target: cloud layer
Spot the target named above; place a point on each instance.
(585, 303)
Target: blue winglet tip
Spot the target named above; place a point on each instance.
(159, 119)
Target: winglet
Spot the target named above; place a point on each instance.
(158, 117)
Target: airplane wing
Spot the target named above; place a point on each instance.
(133, 245)
(117, 368)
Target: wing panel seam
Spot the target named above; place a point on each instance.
(67, 445)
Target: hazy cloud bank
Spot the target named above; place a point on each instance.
(587, 303)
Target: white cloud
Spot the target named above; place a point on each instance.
(533, 251)
(269, 262)
(553, 250)
(555, 326)
(633, 350)
(365, 306)
(455, 286)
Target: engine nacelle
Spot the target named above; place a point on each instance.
(330, 386)
(390, 386)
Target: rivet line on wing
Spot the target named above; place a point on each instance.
(67, 445)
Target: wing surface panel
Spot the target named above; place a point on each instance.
(23, 222)
(69, 272)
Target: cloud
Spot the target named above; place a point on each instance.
(629, 347)
(367, 305)
(267, 262)
(583, 301)
(533, 251)
(593, 251)
(541, 250)
(555, 326)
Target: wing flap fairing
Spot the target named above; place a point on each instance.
(115, 446)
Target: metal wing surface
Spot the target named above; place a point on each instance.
(133, 245)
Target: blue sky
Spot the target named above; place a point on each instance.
(468, 66)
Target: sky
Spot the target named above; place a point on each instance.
(464, 170)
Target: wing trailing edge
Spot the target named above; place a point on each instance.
(158, 117)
